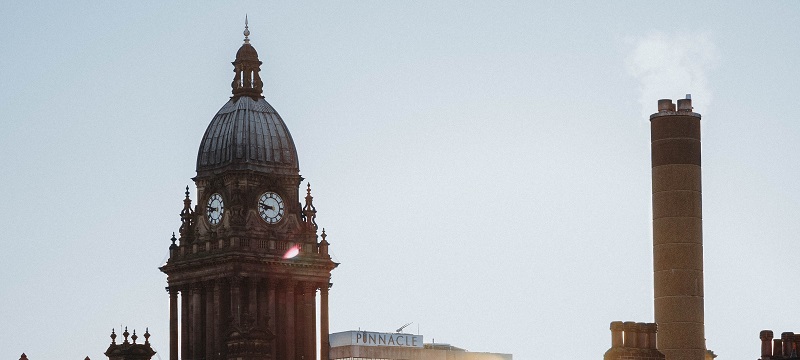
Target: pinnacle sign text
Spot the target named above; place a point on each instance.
(366, 338)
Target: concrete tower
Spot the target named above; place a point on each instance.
(677, 230)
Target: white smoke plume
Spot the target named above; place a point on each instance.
(671, 66)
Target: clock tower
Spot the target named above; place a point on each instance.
(248, 262)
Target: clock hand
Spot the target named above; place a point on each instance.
(266, 207)
(211, 208)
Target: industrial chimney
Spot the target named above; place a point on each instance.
(677, 230)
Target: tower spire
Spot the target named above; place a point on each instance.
(187, 218)
(246, 31)
(309, 211)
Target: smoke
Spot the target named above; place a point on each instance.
(670, 66)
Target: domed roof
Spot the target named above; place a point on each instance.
(247, 52)
(247, 134)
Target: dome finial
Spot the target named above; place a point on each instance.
(246, 31)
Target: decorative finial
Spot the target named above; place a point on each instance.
(323, 245)
(187, 219)
(125, 334)
(146, 335)
(113, 337)
(23, 357)
(246, 31)
(134, 337)
(174, 245)
(309, 211)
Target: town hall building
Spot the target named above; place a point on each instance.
(244, 274)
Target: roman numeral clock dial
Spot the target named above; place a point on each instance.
(270, 207)
(214, 209)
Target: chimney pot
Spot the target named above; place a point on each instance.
(652, 330)
(777, 349)
(631, 334)
(643, 336)
(616, 334)
(685, 105)
(788, 339)
(665, 105)
(766, 343)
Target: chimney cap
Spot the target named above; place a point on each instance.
(666, 108)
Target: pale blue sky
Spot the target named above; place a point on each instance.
(482, 168)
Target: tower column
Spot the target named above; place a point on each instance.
(272, 316)
(173, 323)
(280, 322)
(309, 320)
(236, 299)
(218, 321)
(208, 299)
(197, 323)
(299, 322)
(677, 230)
(263, 318)
(290, 323)
(252, 303)
(185, 324)
(324, 332)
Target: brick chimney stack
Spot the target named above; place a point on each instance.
(677, 230)
(785, 347)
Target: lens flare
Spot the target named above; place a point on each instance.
(292, 252)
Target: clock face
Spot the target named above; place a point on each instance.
(270, 207)
(214, 209)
